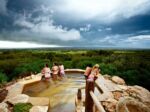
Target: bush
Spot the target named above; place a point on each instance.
(34, 66)
(67, 64)
(22, 107)
(3, 78)
(83, 64)
(131, 76)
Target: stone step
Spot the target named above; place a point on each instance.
(39, 101)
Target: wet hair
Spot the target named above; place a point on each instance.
(55, 63)
(96, 65)
(89, 65)
(46, 65)
(60, 63)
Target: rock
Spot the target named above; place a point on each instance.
(10, 83)
(140, 93)
(39, 109)
(28, 78)
(128, 104)
(117, 95)
(10, 106)
(125, 94)
(110, 105)
(122, 87)
(107, 77)
(3, 94)
(14, 89)
(118, 80)
(21, 98)
(26, 74)
(3, 107)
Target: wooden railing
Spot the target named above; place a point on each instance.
(91, 100)
(98, 105)
(92, 103)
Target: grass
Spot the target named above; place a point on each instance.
(22, 107)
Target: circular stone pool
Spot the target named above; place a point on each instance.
(62, 93)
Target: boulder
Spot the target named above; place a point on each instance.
(128, 104)
(107, 77)
(3, 107)
(14, 89)
(123, 87)
(109, 105)
(20, 98)
(118, 80)
(117, 95)
(140, 93)
(39, 109)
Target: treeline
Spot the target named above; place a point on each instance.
(133, 66)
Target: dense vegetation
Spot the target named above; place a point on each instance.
(133, 66)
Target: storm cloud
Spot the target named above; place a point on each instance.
(84, 23)
(3, 9)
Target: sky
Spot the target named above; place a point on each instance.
(75, 23)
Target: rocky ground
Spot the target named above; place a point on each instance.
(11, 95)
(127, 98)
(120, 97)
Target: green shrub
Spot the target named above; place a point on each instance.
(131, 76)
(83, 64)
(33, 66)
(108, 69)
(22, 107)
(67, 64)
(3, 78)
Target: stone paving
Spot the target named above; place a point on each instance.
(40, 104)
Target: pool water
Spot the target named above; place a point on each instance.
(61, 93)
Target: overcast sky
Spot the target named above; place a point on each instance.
(75, 23)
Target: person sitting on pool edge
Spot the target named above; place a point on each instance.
(46, 72)
(94, 73)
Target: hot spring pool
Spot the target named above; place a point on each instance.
(62, 93)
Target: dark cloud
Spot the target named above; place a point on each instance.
(21, 5)
(132, 25)
(54, 22)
